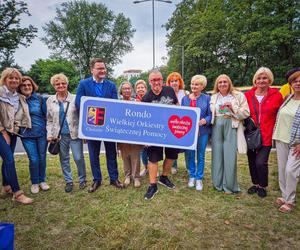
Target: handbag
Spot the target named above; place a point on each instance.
(252, 132)
(54, 147)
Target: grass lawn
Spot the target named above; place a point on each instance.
(175, 219)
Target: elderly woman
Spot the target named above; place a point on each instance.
(229, 108)
(57, 105)
(34, 140)
(130, 153)
(13, 115)
(198, 100)
(287, 136)
(267, 102)
(175, 80)
(140, 89)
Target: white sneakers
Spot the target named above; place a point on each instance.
(44, 186)
(199, 184)
(144, 172)
(35, 188)
(191, 183)
(174, 170)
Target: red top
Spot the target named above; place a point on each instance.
(267, 110)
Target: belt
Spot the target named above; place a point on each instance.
(224, 116)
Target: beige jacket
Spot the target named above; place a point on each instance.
(240, 112)
(72, 118)
(8, 120)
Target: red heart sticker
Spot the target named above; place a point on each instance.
(179, 126)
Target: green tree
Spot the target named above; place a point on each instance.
(42, 70)
(235, 37)
(83, 30)
(12, 35)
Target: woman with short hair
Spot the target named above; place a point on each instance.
(140, 88)
(229, 108)
(287, 137)
(56, 108)
(130, 153)
(266, 101)
(34, 140)
(198, 100)
(13, 115)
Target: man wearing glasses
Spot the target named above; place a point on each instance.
(98, 86)
(163, 95)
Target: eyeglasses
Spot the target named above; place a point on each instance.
(156, 80)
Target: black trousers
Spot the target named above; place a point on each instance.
(258, 165)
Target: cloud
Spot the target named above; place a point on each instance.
(140, 15)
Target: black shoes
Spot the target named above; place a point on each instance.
(82, 185)
(152, 190)
(117, 184)
(253, 190)
(164, 180)
(94, 187)
(69, 187)
(262, 192)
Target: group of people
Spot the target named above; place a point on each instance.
(37, 121)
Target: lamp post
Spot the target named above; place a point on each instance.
(153, 30)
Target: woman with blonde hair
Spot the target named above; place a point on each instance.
(13, 115)
(229, 108)
(198, 100)
(59, 105)
(264, 103)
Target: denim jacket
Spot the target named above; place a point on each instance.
(72, 118)
(8, 119)
(202, 102)
(38, 111)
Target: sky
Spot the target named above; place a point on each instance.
(141, 17)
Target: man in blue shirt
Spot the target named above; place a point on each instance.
(98, 86)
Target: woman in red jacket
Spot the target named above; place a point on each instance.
(267, 102)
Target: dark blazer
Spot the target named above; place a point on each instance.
(87, 88)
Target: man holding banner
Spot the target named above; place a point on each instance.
(163, 95)
(98, 86)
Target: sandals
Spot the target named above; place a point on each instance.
(20, 197)
(6, 191)
(286, 208)
(280, 201)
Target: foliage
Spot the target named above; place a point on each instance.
(42, 70)
(12, 35)
(175, 219)
(83, 30)
(235, 37)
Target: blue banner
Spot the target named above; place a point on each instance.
(138, 123)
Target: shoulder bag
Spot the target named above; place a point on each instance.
(252, 132)
(54, 147)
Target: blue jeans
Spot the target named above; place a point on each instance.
(144, 157)
(64, 155)
(111, 159)
(197, 172)
(36, 149)
(9, 173)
